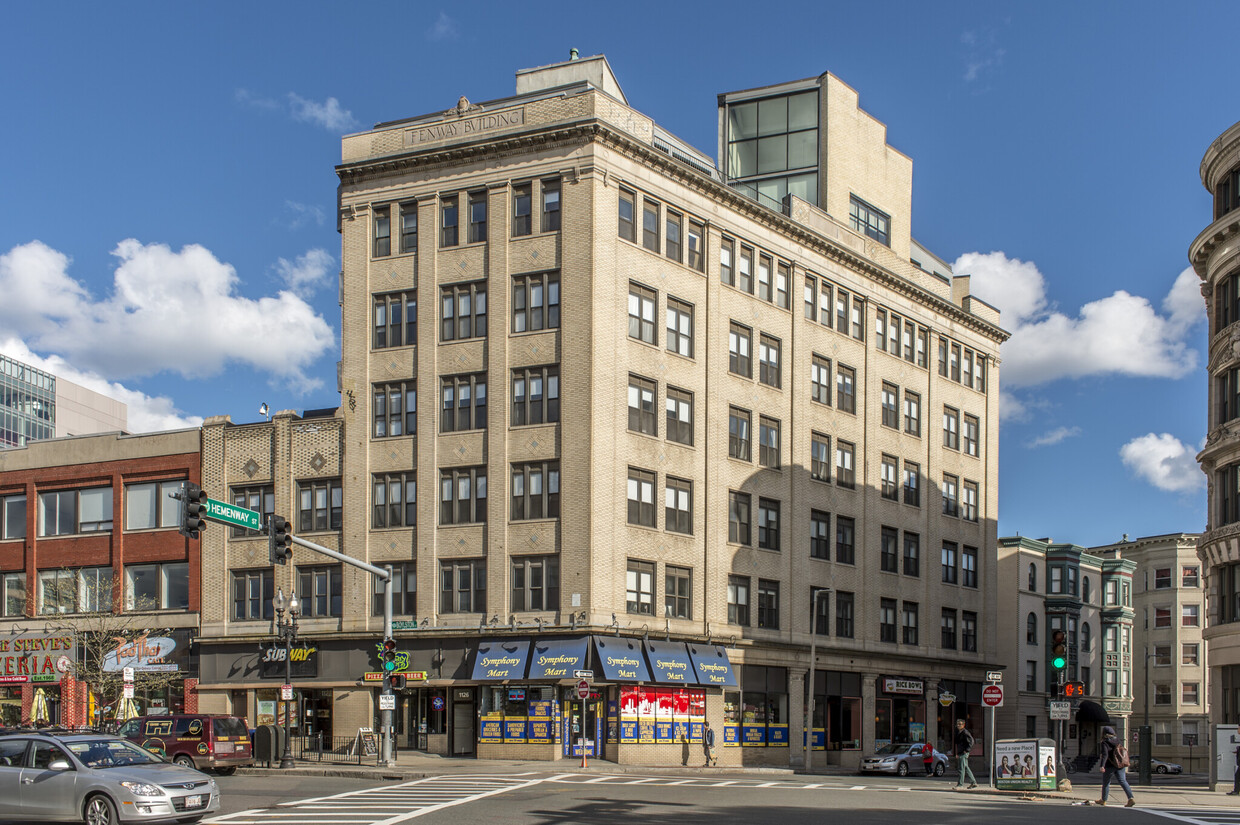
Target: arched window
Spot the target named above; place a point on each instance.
(1085, 635)
(1031, 629)
(1033, 577)
(1086, 592)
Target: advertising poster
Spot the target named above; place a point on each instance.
(777, 736)
(753, 736)
(492, 729)
(628, 714)
(731, 734)
(1016, 764)
(613, 721)
(1048, 769)
(540, 730)
(514, 729)
(647, 709)
(663, 731)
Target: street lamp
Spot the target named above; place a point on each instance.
(286, 632)
(813, 658)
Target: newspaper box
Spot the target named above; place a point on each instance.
(1025, 764)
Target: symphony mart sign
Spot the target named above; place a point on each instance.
(28, 656)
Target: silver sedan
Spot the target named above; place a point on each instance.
(101, 779)
(903, 759)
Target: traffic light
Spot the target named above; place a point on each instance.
(389, 655)
(1074, 690)
(396, 681)
(194, 508)
(279, 539)
(1059, 650)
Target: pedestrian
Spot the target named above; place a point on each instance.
(708, 744)
(1235, 777)
(1113, 757)
(927, 756)
(963, 744)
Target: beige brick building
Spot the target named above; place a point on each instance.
(658, 411)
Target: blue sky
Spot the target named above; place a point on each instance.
(162, 155)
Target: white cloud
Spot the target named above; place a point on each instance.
(329, 114)
(304, 213)
(1054, 436)
(1164, 461)
(250, 99)
(309, 272)
(444, 28)
(982, 52)
(1184, 304)
(145, 413)
(1121, 334)
(163, 304)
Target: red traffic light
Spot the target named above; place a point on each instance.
(1074, 690)
(389, 654)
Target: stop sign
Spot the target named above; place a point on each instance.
(992, 696)
(583, 689)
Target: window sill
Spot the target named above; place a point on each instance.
(392, 348)
(412, 253)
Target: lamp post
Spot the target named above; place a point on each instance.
(813, 657)
(286, 632)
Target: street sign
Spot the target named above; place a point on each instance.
(387, 701)
(1061, 711)
(286, 692)
(584, 674)
(994, 676)
(945, 699)
(127, 674)
(127, 691)
(231, 514)
(583, 689)
(992, 696)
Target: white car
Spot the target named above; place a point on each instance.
(903, 759)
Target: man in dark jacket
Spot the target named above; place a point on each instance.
(1110, 770)
(963, 744)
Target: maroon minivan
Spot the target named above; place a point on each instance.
(195, 740)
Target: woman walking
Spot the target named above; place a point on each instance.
(1114, 765)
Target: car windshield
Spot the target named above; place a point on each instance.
(888, 750)
(110, 753)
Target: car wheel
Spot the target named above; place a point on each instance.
(940, 769)
(184, 760)
(100, 810)
(1162, 768)
(902, 769)
(229, 771)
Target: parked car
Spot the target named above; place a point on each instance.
(1156, 765)
(902, 759)
(72, 777)
(194, 740)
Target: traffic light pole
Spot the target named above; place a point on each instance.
(386, 749)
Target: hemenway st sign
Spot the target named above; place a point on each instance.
(231, 514)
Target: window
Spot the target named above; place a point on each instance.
(845, 540)
(768, 604)
(858, 313)
(768, 361)
(968, 501)
(1031, 629)
(395, 499)
(811, 298)
(820, 457)
(911, 623)
(477, 217)
(912, 413)
(970, 435)
(889, 550)
(820, 603)
(535, 490)
(1189, 616)
(744, 281)
(57, 592)
(536, 583)
(396, 319)
(1188, 730)
(740, 342)
(639, 587)
(678, 505)
(968, 566)
(819, 534)
(955, 362)
(869, 221)
(1162, 617)
(887, 620)
(947, 628)
(948, 558)
(1033, 578)
(764, 277)
(522, 208)
(464, 312)
(383, 232)
(1162, 578)
(727, 274)
(260, 498)
(642, 303)
(641, 497)
(951, 506)
(768, 442)
(1162, 694)
(738, 600)
(738, 517)
(536, 302)
(535, 396)
(912, 554)
(463, 586)
(463, 496)
(642, 392)
(1188, 654)
(404, 591)
(14, 594)
(820, 380)
(680, 327)
(841, 311)
(650, 224)
(1072, 575)
(1111, 640)
(69, 512)
(1190, 576)
(844, 615)
(154, 586)
(890, 488)
(968, 632)
(891, 405)
(678, 592)
(673, 226)
(1110, 686)
(739, 423)
(1056, 582)
(912, 483)
(697, 237)
(951, 427)
(679, 416)
(1162, 655)
(448, 221)
(626, 215)
(151, 505)
(844, 475)
(1188, 693)
(845, 389)
(252, 594)
(395, 410)
(1031, 678)
(551, 206)
(13, 517)
(464, 403)
(783, 274)
(768, 524)
(1086, 637)
(320, 505)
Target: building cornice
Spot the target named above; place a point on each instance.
(1212, 237)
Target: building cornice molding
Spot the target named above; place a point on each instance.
(1223, 230)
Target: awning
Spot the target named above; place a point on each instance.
(710, 663)
(499, 660)
(670, 663)
(1089, 711)
(557, 658)
(621, 659)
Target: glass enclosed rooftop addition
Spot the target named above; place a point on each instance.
(27, 403)
(772, 147)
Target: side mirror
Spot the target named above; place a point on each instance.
(60, 765)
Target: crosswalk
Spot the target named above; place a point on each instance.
(1197, 816)
(385, 805)
(714, 782)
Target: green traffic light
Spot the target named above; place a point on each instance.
(389, 666)
(1059, 663)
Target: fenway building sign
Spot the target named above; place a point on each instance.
(31, 656)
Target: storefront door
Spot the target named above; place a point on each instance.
(582, 728)
(464, 714)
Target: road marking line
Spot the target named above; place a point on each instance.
(463, 800)
(857, 788)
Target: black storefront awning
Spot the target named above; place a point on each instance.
(557, 658)
(621, 660)
(670, 663)
(500, 660)
(710, 663)
(1091, 712)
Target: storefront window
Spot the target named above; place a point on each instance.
(518, 714)
(764, 707)
(837, 710)
(10, 706)
(899, 719)
(651, 715)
